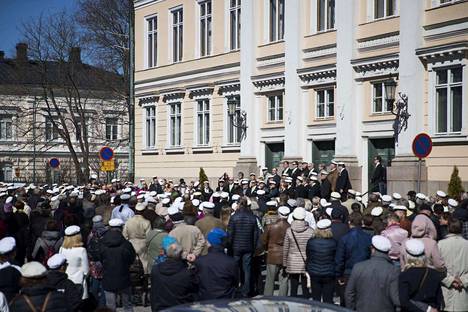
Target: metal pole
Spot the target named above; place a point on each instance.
(34, 140)
(419, 175)
(131, 104)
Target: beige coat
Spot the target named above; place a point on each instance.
(135, 231)
(454, 250)
(292, 259)
(190, 238)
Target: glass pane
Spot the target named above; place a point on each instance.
(331, 111)
(150, 50)
(457, 116)
(331, 14)
(378, 8)
(209, 7)
(442, 76)
(456, 74)
(155, 50)
(179, 131)
(233, 3)
(202, 9)
(320, 110)
(378, 90)
(174, 44)
(321, 97)
(200, 128)
(390, 7)
(150, 24)
(207, 128)
(281, 20)
(208, 48)
(202, 37)
(238, 27)
(321, 14)
(272, 20)
(181, 42)
(233, 30)
(442, 110)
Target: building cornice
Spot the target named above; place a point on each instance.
(311, 77)
(269, 83)
(455, 50)
(148, 100)
(386, 65)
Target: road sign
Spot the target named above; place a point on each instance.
(107, 165)
(422, 145)
(106, 153)
(54, 163)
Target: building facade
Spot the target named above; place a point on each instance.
(310, 76)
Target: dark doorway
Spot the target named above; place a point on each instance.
(322, 152)
(385, 148)
(274, 153)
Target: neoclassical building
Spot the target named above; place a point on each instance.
(311, 77)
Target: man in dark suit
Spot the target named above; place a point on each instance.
(286, 169)
(325, 185)
(222, 187)
(232, 187)
(295, 172)
(276, 176)
(379, 178)
(343, 184)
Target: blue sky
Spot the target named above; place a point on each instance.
(14, 12)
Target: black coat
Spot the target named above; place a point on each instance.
(9, 282)
(379, 175)
(343, 184)
(411, 289)
(339, 229)
(243, 232)
(336, 205)
(325, 189)
(116, 255)
(37, 295)
(321, 257)
(172, 284)
(313, 191)
(217, 274)
(59, 281)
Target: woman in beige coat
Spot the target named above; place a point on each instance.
(294, 251)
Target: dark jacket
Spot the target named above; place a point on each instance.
(116, 255)
(339, 229)
(344, 213)
(379, 175)
(343, 184)
(411, 289)
(217, 275)
(321, 257)
(57, 301)
(325, 189)
(176, 284)
(243, 232)
(59, 281)
(354, 247)
(9, 282)
(313, 191)
(373, 285)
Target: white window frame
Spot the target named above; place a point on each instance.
(170, 143)
(234, 34)
(277, 107)
(53, 131)
(172, 45)
(114, 128)
(277, 36)
(154, 33)
(7, 172)
(145, 119)
(6, 127)
(437, 3)
(326, 103)
(206, 46)
(374, 15)
(204, 113)
(230, 128)
(384, 96)
(326, 27)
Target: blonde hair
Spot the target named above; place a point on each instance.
(414, 262)
(323, 233)
(72, 241)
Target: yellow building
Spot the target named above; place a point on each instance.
(310, 76)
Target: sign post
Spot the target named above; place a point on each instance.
(422, 147)
(107, 159)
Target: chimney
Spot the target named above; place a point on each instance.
(22, 52)
(2, 55)
(75, 55)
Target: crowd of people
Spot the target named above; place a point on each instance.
(98, 246)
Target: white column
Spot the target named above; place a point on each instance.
(292, 100)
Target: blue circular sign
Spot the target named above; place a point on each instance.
(54, 162)
(106, 153)
(422, 145)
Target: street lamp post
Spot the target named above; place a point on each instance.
(398, 108)
(239, 119)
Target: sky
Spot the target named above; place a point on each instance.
(14, 12)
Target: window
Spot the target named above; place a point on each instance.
(89, 128)
(235, 23)
(175, 119)
(51, 131)
(205, 28)
(449, 100)
(150, 116)
(152, 41)
(111, 129)
(326, 15)
(203, 122)
(7, 172)
(177, 34)
(441, 2)
(276, 20)
(325, 103)
(380, 105)
(6, 126)
(275, 107)
(384, 8)
(234, 133)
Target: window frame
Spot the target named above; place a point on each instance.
(54, 133)
(203, 134)
(154, 33)
(277, 108)
(177, 46)
(232, 131)
(326, 18)
(276, 33)
(449, 100)
(383, 97)
(206, 32)
(234, 33)
(385, 8)
(150, 124)
(177, 116)
(114, 127)
(4, 121)
(326, 104)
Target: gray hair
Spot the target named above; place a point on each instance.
(174, 251)
(300, 202)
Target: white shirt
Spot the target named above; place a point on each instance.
(309, 218)
(123, 215)
(78, 266)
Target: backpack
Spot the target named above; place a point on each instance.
(137, 272)
(49, 252)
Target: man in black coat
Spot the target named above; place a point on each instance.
(174, 282)
(335, 200)
(9, 273)
(379, 177)
(343, 184)
(325, 186)
(218, 273)
(116, 255)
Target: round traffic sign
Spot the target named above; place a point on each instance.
(54, 163)
(106, 153)
(422, 145)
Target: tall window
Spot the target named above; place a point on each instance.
(325, 103)
(276, 20)
(326, 15)
(384, 8)
(205, 28)
(380, 105)
(203, 122)
(234, 133)
(449, 84)
(152, 40)
(177, 34)
(112, 125)
(51, 132)
(235, 23)
(6, 126)
(175, 119)
(275, 107)
(150, 116)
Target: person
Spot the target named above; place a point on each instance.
(3, 303)
(454, 250)
(400, 211)
(354, 247)
(135, 231)
(419, 286)
(217, 272)
(294, 252)
(373, 284)
(379, 177)
(338, 227)
(208, 222)
(177, 283)
(9, 273)
(244, 236)
(48, 243)
(343, 184)
(34, 294)
(325, 185)
(396, 235)
(273, 239)
(116, 255)
(58, 279)
(77, 257)
(320, 265)
(123, 211)
(335, 199)
(154, 241)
